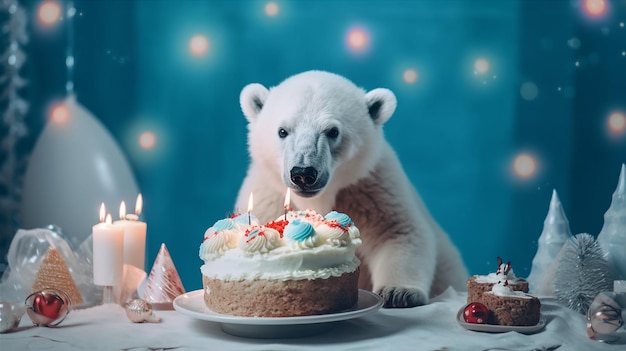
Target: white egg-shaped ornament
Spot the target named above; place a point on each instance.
(75, 166)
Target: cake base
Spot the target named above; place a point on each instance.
(512, 311)
(475, 290)
(277, 298)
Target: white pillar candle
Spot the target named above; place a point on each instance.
(108, 252)
(134, 235)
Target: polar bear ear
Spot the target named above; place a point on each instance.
(381, 103)
(252, 99)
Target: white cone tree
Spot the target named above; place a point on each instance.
(556, 232)
(612, 237)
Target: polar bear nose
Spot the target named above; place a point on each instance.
(303, 176)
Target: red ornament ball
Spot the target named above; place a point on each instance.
(51, 306)
(476, 313)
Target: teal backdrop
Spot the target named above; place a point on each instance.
(479, 83)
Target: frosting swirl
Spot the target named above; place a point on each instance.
(222, 224)
(298, 230)
(341, 218)
(260, 240)
(333, 233)
(216, 243)
(300, 245)
(354, 232)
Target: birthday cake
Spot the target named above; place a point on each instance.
(301, 264)
(478, 284)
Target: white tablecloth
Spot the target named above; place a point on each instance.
(430, 327)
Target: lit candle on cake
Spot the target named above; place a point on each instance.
(108, 251)
(249, 208)
(287, 201)
(134, 235)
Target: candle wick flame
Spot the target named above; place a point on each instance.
(122, 210)
(139, 204)
(102, 213)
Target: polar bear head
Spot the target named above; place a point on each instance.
(315, 131)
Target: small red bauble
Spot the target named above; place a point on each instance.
(50, 306)
(476, 313)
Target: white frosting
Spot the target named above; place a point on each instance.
(260, 239)
(280, 264)
(308, 243)
(250, 252)
(334, 235)
(500, 289)
(217, 243)
(354, 232)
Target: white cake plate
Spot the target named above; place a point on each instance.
(192, 304)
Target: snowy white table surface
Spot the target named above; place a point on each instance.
(430, 327)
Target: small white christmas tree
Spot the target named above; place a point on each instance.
(612, 237)
(556, 232)
(582, 273)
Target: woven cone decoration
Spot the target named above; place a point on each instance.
(164, 283)
(53, 273)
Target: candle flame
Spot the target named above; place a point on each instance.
(108, 219)
(250, 201)
(102, 212)
(287, 198)
(122, 210)
(139, 204)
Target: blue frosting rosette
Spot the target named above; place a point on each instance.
(341, 218)
(298, 230)
(223, 224)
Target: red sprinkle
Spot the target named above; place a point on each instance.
(333, 223)
(279, 226)
(254, 237)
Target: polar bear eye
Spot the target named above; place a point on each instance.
(282, 133)
(332, 133)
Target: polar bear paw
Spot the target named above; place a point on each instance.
(395, 297)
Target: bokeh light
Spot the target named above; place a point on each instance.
(595, 8)
(409, 76)
(481, 66)
(271, 9)
(49, 12)
(59, 114)
(198, 45)
(358, 39)
(524, 165)
(617, 123)
(529, 91)
(147, 140)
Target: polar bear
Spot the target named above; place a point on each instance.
(320, 135)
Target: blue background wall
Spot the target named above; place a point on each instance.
(555, 75)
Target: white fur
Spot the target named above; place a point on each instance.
(406, 256)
